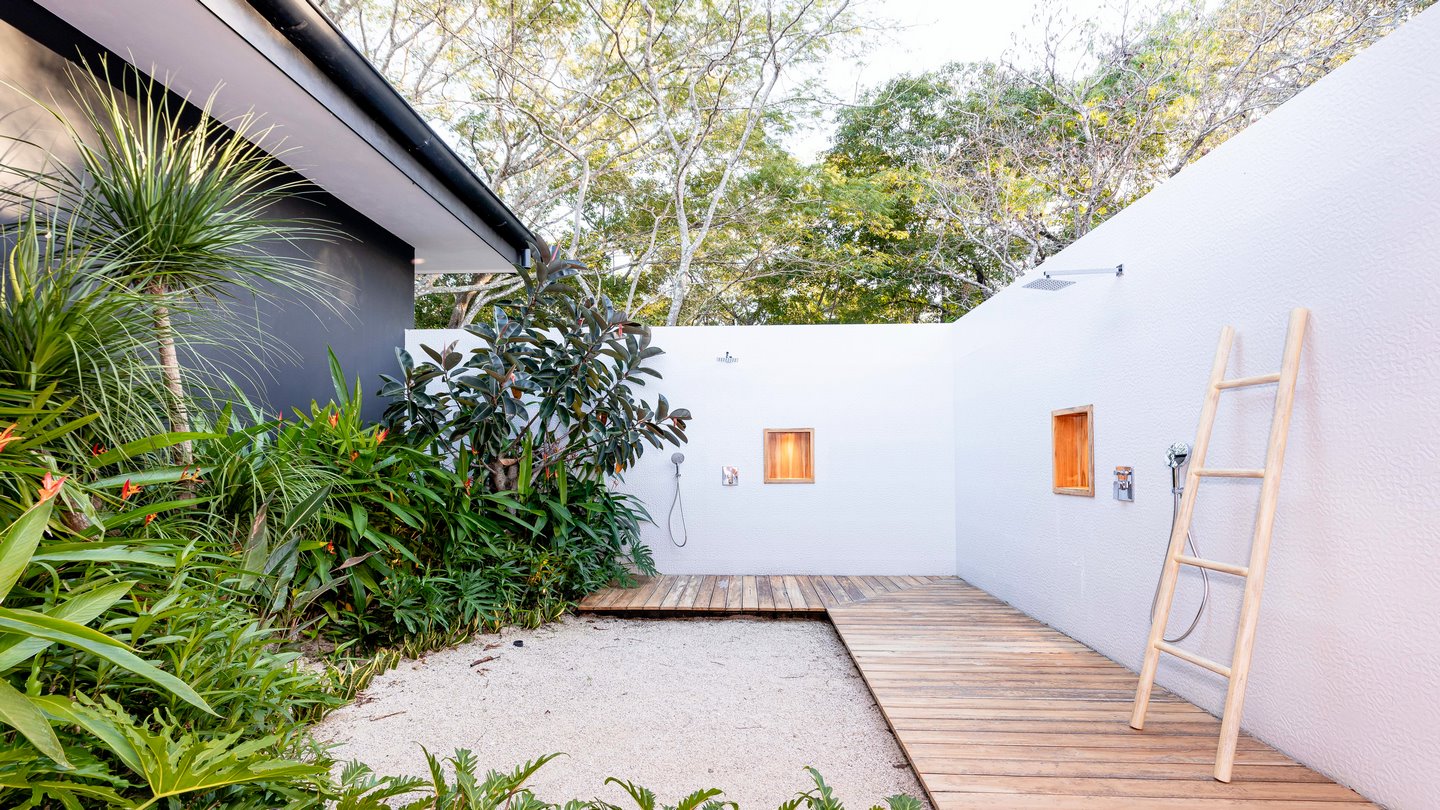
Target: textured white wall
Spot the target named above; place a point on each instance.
(1332, 202)
(878, 398)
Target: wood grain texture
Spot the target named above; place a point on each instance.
(996, 710)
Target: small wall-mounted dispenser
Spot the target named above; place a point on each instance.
(1125, 484)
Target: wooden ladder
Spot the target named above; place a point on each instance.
(1239, 669)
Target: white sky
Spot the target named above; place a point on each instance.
(927, 34)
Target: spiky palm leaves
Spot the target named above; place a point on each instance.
(166, 200)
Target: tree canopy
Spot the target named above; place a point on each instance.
(650, 140)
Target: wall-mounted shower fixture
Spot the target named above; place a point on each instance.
(1125, 484)
(728, 358)
(1175, 458)
(677, 459)
(1050, 284)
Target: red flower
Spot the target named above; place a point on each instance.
(149, 518)
(96, 449)
(50, 486)
(380, 437)
(279, 416)
(7, 436)
(354, 455)
(330, 547)
(186, 474)
(468, 482)
(128, 489)
(334, 419)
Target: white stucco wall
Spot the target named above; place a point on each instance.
(1333, 203)
(879, 399)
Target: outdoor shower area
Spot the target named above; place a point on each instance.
(933, 453)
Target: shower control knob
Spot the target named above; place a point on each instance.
(1125, 484)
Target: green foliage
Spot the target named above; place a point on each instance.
(158, 586)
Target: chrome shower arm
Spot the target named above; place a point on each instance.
(1118, 270)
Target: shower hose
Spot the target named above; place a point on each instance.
(1204, 576)
(679, 503)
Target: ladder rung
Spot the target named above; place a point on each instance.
(1224, 568)
(1222, 473)
(1218, 669)
(1245, 382)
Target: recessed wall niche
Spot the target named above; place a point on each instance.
(790, 456)
(1073, 434)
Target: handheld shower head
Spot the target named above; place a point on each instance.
(677, 458)
(1176, 456)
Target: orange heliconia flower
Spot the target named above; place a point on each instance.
(354, 455)
(380, 437)
(7, 436)
(96, 449)
(50, 486)
(468, 482)
(149, 518)
(334, 419)
(330, 547)
(128, 489)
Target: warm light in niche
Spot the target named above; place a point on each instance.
(1073, 435)
(790, 456)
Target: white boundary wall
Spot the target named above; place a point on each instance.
(933, 442)
(879, 399)
(1333, 203)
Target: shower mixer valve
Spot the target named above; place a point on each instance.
(1125, 484)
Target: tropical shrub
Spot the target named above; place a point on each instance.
(164, 559)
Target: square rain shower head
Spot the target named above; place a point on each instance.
(1048, 284)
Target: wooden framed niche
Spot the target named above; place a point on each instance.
(790, 455)
(1073, 433)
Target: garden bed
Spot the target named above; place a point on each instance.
(676, 705)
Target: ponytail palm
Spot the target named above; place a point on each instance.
(175, 205)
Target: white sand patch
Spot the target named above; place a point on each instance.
(673, 704)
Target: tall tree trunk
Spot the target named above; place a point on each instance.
(170, 371)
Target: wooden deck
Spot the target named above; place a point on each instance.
(995, 710)
(765, 595)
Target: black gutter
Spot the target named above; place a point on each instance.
(322, 43)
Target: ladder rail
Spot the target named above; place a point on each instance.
(1254, 574)
(1260, 545)
(1170, 573)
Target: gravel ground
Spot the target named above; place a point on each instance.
(672, 704)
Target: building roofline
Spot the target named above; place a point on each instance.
(317, 38)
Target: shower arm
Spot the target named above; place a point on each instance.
(1118, 270)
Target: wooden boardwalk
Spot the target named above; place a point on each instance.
(996, 710)
(766, 595)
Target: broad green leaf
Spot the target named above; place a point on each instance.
(149, 444)
(103, 728)
(17, 712)
(82, 609)
(18, 543)
(83, 638)
(257, 549)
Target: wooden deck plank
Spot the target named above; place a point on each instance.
(765, 597)
(750, 594)
(704, 593)
(720, 593)
(995, 710)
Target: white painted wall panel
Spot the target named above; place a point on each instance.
(879, 398)
(1332, 202)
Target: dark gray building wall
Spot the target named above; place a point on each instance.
(362, 316)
